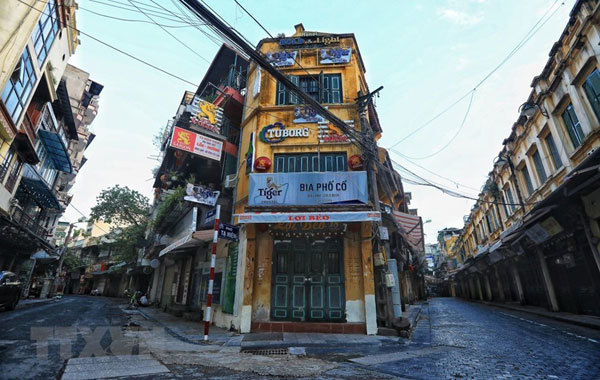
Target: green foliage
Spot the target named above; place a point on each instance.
(121, 205)
(126, 240)
(168, 204)
(71, 261)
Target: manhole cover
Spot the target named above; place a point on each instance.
(266, 351)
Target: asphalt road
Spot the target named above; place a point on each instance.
(460, 339)
(453, 339)
(31, 339)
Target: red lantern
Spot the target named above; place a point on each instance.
(410, 267)
(355, 162)
(262, 164)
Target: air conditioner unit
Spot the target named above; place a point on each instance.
(230, 181)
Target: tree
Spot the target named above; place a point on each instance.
(121, 206)
(129, 210)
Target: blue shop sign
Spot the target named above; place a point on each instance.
(308, 189)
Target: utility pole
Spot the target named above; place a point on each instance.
(383, 295)
(62, 258)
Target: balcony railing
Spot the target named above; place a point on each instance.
(24, 220)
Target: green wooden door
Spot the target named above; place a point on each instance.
(308, 280)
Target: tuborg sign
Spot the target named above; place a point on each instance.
(276, 133)
(317, 188)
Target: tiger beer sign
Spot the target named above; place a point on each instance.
(195, 143)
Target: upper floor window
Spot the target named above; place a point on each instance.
(46, 166)
(509, 199)
(592, 90)
(527, 179)
(553, 151)
(573, 126)
(310, 162)
(324, 88)
(18, 88)
(539, 166)
(45, 31)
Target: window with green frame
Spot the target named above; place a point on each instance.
(310, 162)
(573, 126)
(527, 179)
(553, 151)
(539, 166)
(592, 90)
(324, 88)
(19, 86)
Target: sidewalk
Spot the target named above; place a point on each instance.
(575, 319)
(193, 332)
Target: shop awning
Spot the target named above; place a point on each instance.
(35, 186)
(57, 150)
(309, 217)
(193, 240)
(43, 255)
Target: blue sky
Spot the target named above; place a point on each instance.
(426, 54)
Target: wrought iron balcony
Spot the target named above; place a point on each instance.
(24, 220)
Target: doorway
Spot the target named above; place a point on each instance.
(307, 283)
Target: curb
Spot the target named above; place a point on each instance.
(172, 332)
(541, 314)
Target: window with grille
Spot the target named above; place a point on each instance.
(527, 179)
(310, 162)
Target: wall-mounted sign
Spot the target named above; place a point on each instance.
(201, 194)
(277, 132)
(282, 58)
(330, 134)
(320, 229)
(195, 143)
(228, 232)
(205, 114)
(355, 162)
(294, 189)
(262, 164)
(335, 55)
(210, 217)
(310, 41)
(306, 114)
(310, 217)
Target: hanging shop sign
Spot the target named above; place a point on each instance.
(228, 232)
(262, 164)
(305, 229)
(294, 189)
(277, 132)
(282, 58)
(309, 217)
(306, 114)
(330, 134)
(310, 41)
(195, 143)
(201, 194)
(335, 55)
(205, 114)
(544, 230)
(210, 217)
(355, 162)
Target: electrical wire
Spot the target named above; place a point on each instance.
(171, 34)
(536, 27)
(131, 20)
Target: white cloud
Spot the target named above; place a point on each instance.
(460, 17)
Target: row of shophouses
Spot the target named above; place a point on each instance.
(46, 109)
(533, 236)
(297, 234)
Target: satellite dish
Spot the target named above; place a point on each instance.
(154, 263)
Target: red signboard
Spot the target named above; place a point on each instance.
(196, 143)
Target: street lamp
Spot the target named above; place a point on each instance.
(528, 110)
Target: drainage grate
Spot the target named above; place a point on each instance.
(266, 351)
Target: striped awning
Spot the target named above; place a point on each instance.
(413, 227)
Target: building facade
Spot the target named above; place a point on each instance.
(42, 136)
(533, 234)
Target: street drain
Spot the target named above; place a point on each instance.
(266, 352)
